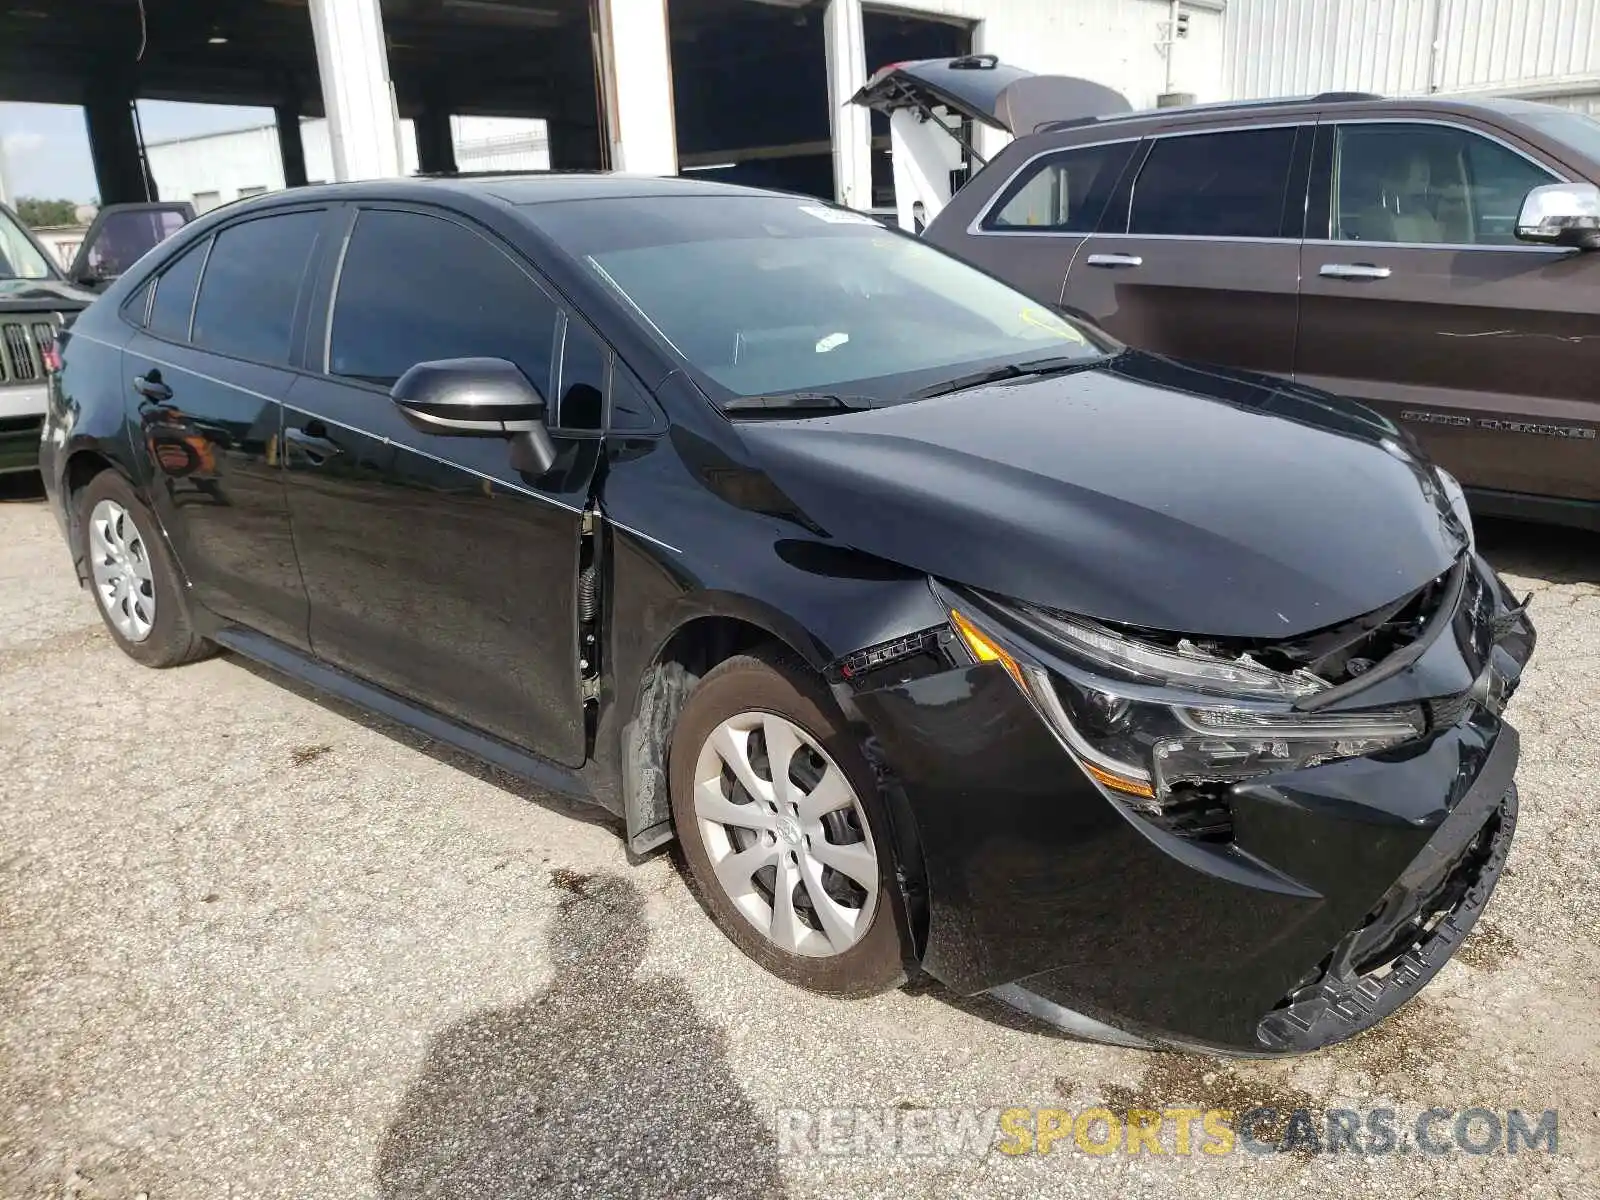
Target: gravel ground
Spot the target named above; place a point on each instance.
(254, 943)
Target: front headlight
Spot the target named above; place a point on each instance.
(1161, 727)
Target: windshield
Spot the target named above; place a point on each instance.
(772, 294)
(20, 258)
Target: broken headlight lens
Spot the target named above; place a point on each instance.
(1217, 721)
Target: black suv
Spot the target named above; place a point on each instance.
(941, 633)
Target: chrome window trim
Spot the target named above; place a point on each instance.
(1197, 237)
(199, 282)
(1556, 175)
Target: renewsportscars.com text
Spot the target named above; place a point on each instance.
(978, 1132)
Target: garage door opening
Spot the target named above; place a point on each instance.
(892, 37)
(750, 93)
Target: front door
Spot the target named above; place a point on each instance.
(1204, 265)
(1418, 298)
(434, 568)
(208, 376)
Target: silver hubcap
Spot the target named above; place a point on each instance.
(121, 569)
(786, 834)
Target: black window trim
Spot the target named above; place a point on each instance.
(302, 297)
(1301, 124)
(1322, 174)
(317, 360)
(983, 225)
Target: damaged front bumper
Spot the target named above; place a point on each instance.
(1334, 894)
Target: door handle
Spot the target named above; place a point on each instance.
(149, 386)
(1114, 260)
(310, 443)
(1353, 271)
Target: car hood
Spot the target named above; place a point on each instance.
(1138, 490)
(41, 295)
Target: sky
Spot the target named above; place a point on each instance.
(46, 151)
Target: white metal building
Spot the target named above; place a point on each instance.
(212, 169)
(1547, 50)
(716, 85)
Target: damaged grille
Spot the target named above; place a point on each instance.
(1348, 650)
(22, 348)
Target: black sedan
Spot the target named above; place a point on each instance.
(942, 634)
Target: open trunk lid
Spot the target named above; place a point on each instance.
(981, 88)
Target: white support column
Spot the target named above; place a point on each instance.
(353, 65)
(851, 124)
(636, 61)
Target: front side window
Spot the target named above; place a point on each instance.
(769, 294)
(1428, 185)
(1064, 192)
(19, 257)
(174, 300)
(416, 288)
(1228, 184)
(252, 279)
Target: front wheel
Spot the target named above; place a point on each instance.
(777, 824)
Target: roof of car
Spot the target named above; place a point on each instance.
(533, 187)
(1288, 104)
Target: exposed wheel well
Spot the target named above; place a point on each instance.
(697, 647)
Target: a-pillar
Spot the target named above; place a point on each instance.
(353, 66)
(291, 147)
(636, 73)
(120, 172)
(851, 123)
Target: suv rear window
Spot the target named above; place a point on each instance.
(1228, 184)
(1064, 192)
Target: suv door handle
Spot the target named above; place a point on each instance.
(149, 386)
(310, 443)
(1114, 260)
(1353, 271)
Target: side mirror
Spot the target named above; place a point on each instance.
(478, 397)
(1561, 214)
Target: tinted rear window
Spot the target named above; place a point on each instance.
(247, 298)
(1214, 184)
(174, 302)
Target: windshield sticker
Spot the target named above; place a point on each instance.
(836, 216)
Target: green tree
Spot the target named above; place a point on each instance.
(36, 213)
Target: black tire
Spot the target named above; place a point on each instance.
(767, 681)
(172, 640)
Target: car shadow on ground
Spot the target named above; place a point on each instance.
(440, 752)
(1548, 552)
(608, 1082)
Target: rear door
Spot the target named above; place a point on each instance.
(1418, 298)
(1028, 233)
(207, 373)
(434, 568)
(1200, 257)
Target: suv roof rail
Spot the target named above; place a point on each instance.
(1211, 106)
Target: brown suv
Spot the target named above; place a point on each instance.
(1431, 257)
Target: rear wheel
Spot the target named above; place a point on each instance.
(777, 823)
(135, 584)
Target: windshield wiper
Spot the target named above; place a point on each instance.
(1037, 366)
(789, 404)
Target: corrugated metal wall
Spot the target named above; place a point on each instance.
(1296, 47)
